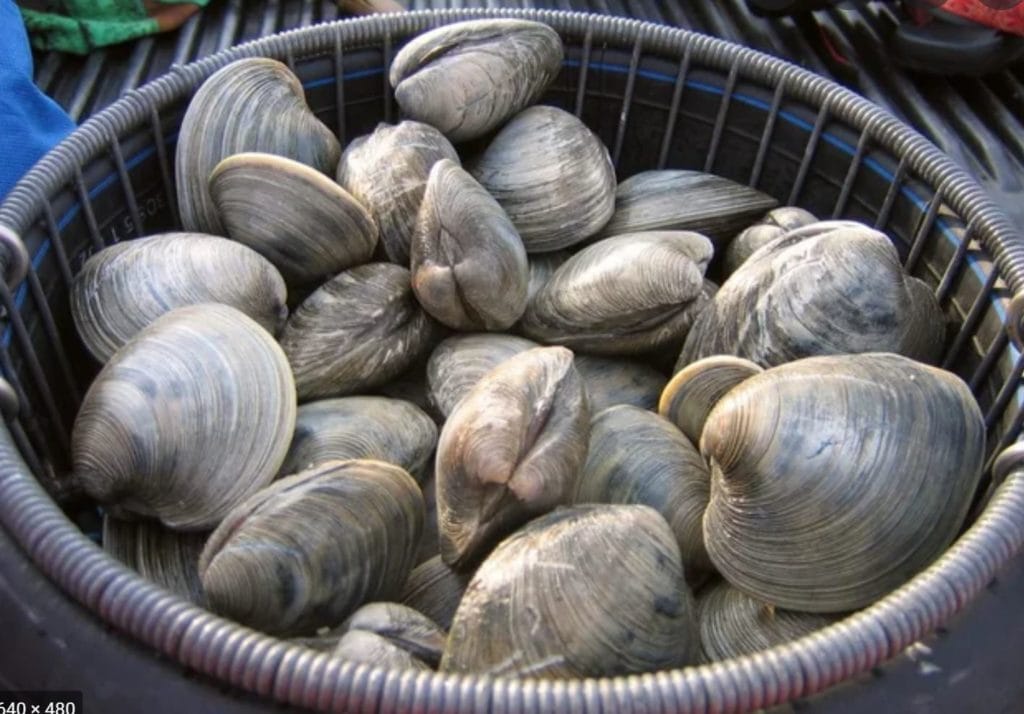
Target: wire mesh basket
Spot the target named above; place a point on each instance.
(658, 97)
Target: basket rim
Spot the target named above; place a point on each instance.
(295, 675)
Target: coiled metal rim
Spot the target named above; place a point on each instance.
(301, 677)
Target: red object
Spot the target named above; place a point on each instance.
(1009, 20)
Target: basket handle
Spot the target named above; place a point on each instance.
(14, 259)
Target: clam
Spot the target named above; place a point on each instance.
(469, 267)
(387, 172)
(775, 223)
(542, 267)
(553, 177)
(435, 590)
(404, 627)
(411, 384)
(187, 420)
(637, 457)
(430, 542)
(459, 362)
(358, 330)
(309, 549)
(380, 428)
(510, 451)
(589, 591)
(470, 77)
(304, 223)
(623, 295)
(372, 649)
(691, 395)
(833, 287)
(836, 479)
(685, 201)
(733, 624)
(611, 381)
(165, 557)
(126, 286)
(252, 104)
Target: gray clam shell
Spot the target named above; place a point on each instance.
(553, 177)
(380, 428)
(826, 288)
(308, 550)
(359, 330)
(168, 558)
(637, 457)
(510, 451)
(387, 172)
(587, 591)
(376, 651)
(126, 286)
(685, 201)
(469, 77)
(252, 104)
(623, 295)
(612, 381)
(459, 362)
(403, 626)
(695, 390)
(542, 267)
(469, 267)
(835, 479)
(775, 223)
(187, 420)
(733, 624)
(435, 590)
(300, 220)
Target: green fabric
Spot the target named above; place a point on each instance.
(80, 26)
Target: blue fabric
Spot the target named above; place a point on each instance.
(30, 122)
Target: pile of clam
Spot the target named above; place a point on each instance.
(482, 410)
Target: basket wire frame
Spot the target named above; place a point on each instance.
(292, 674)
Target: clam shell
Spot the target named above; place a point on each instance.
(380, 428)
(691, 395)
(411, 385)
(309, 549)
(387, 172)
(836, 479)
(372, 649)
(435, 590)
(637, 457)
(623, 295)
(359, 330)
(546, 603)
(168, 558)
(553, 177)
(430, 542)
(470, 77)
(510, 451)
(685, 201)
(404, 627)
(826, 288)
(309, 227)
(469, 267)
(252, 104)
(610, 382)
(542, 267)
(775, 223)
(733, 624)
(459, 362)
(187, 420)
(126, 286)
